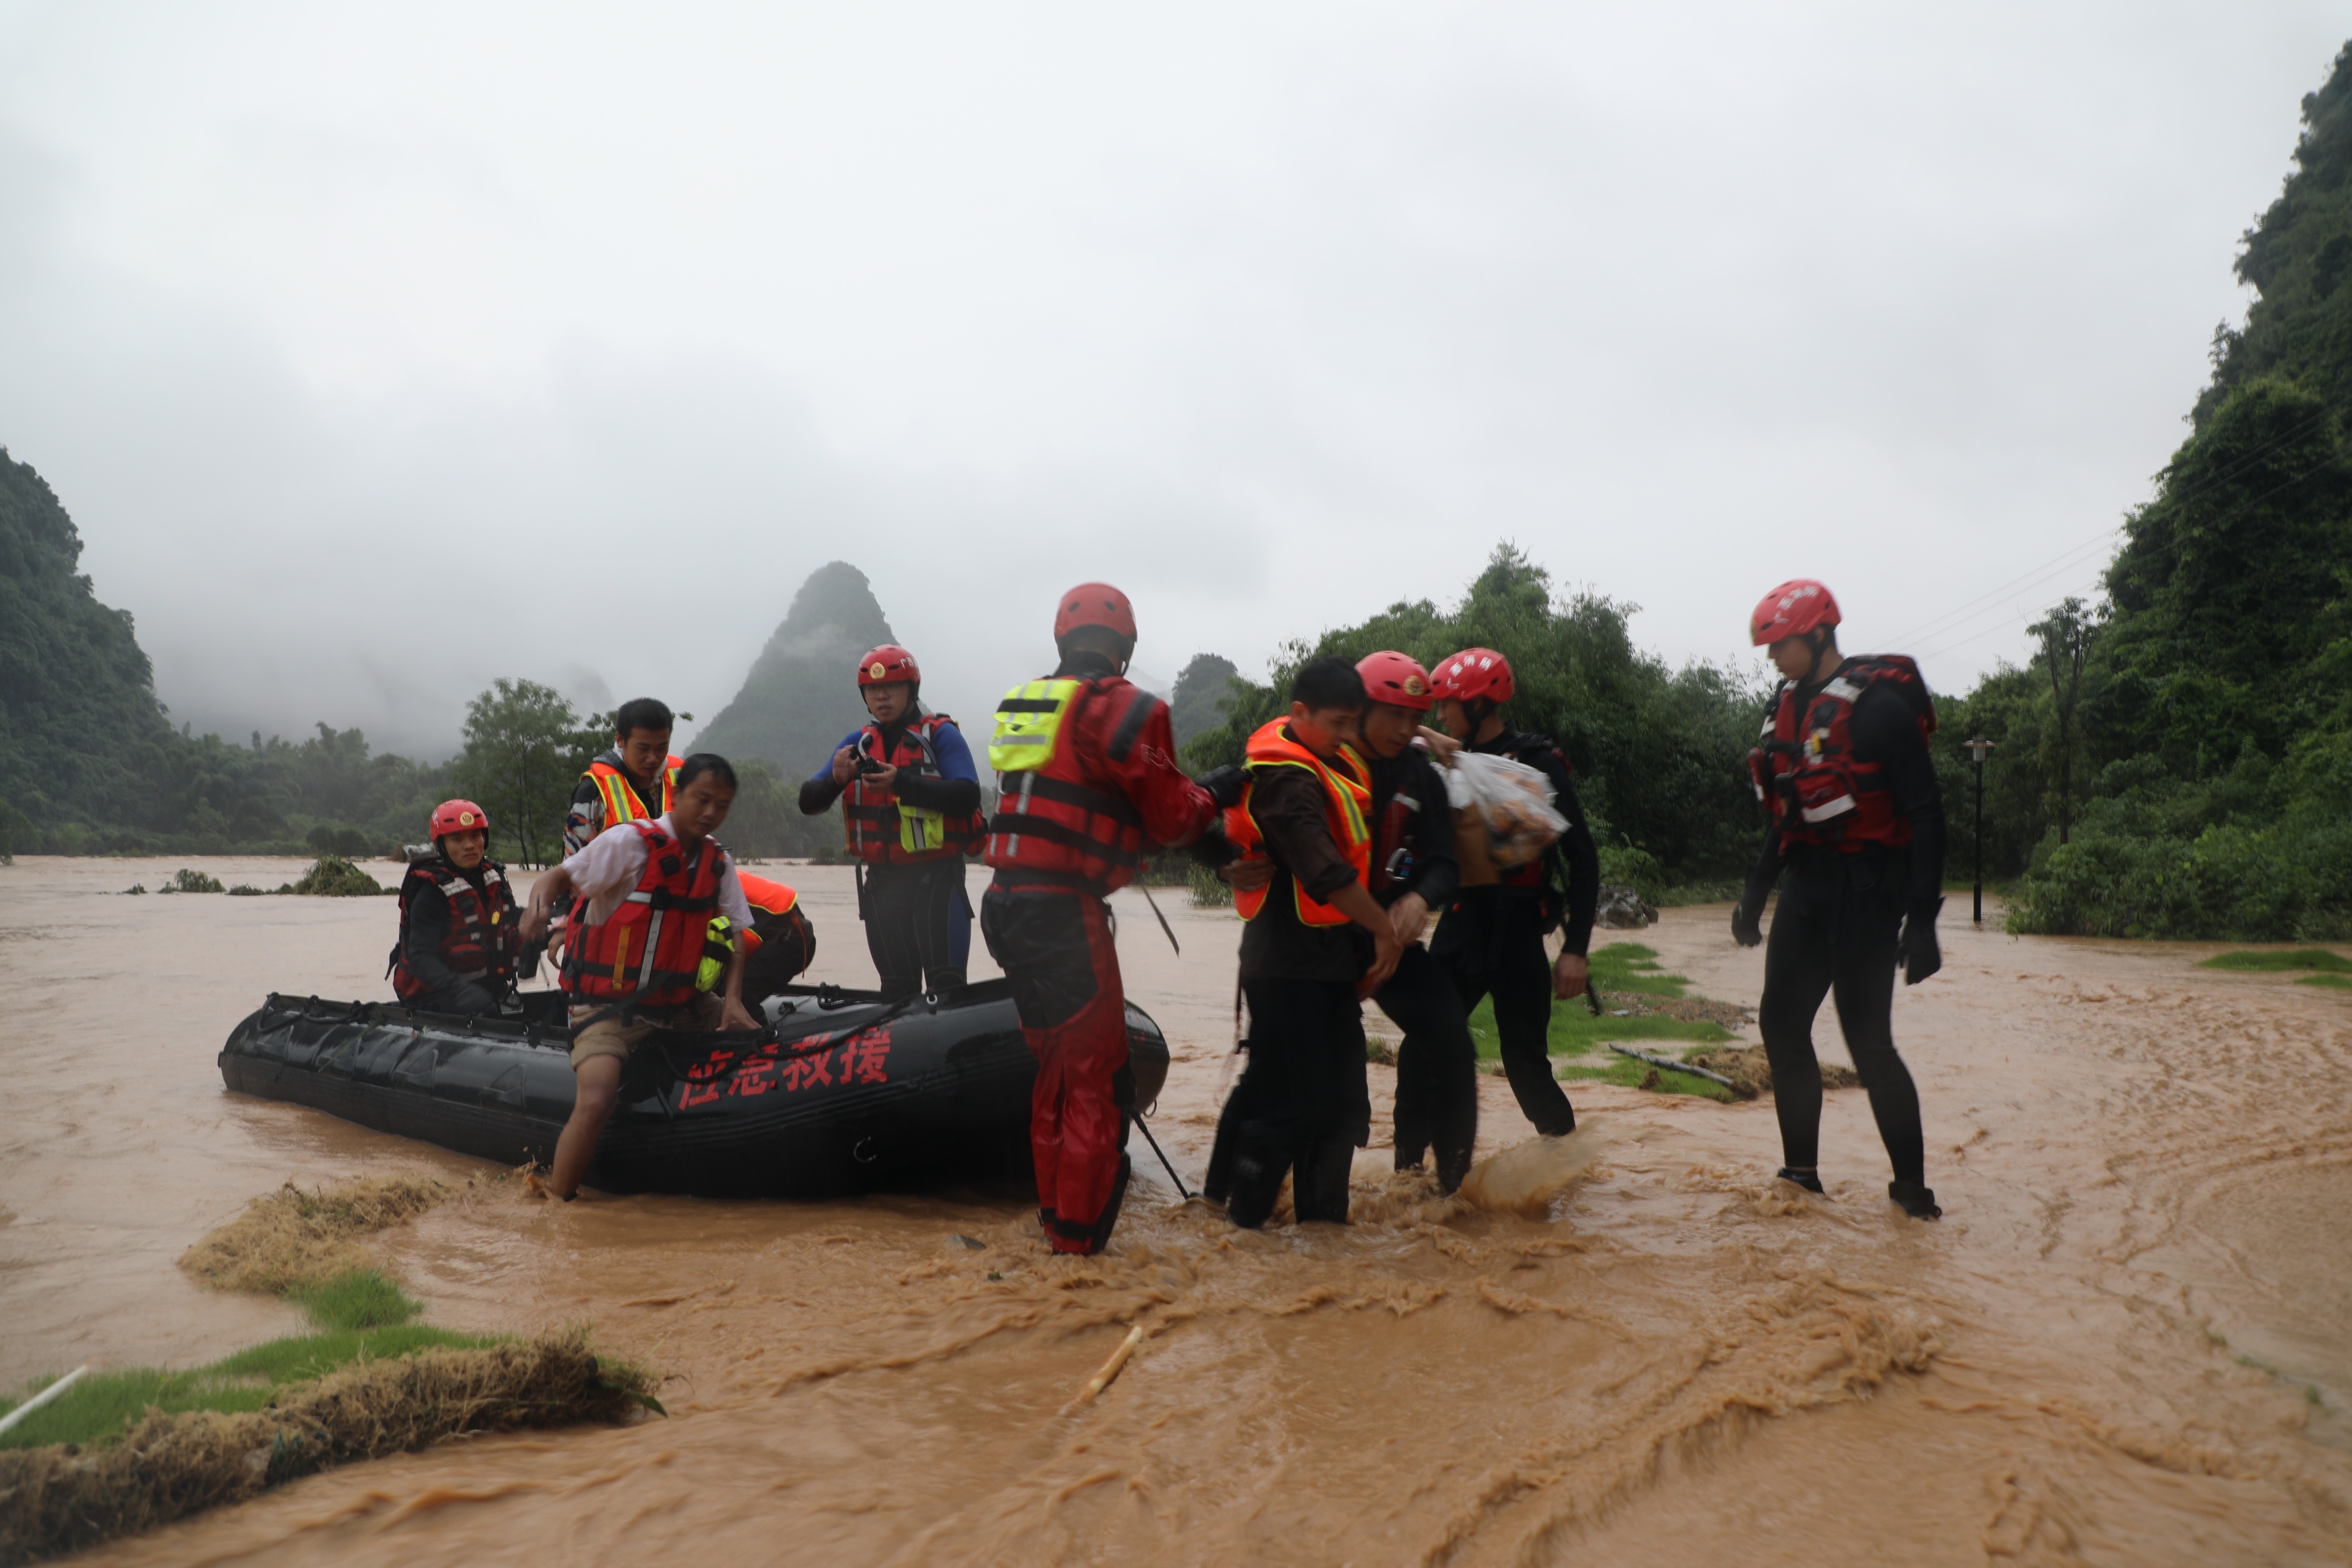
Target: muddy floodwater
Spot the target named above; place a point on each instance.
(2128, 1341)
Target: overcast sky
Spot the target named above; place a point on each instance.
(380, 353)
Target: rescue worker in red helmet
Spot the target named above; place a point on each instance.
(1492, 939)
(909, 815)
(459, 938)
(1088, 787)
(1856, 840)
(648, 951)
(1413, 872)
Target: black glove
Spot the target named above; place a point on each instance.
(1225, 786)
(1747, 922)
(1916, 949)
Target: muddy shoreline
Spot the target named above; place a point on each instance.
(2124, 1344)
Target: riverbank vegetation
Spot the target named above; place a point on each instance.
(126, 1450)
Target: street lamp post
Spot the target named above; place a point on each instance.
(1976, 750)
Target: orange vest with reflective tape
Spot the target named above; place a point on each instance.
(620, 796)
(1347, 806)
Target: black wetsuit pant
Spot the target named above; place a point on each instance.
(1303, 1105)
(1491, 943)
(1437, 1068)
(1833, 933)
(911, 924)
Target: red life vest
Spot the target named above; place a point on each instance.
(881, 830)
(483, 940)
(1050, 822)
(1806, 774)
(649, 948)
(1347, 801)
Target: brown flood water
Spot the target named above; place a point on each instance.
(2126, 1342)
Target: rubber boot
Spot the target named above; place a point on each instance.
(1319, 1187)
(1453, 1164)
(1918, 1199)
(1809, 1180)
(1258, 1168)
(1100, 1237)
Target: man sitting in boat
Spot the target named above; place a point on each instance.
(779, 944)
(649, 954)
(458, 935)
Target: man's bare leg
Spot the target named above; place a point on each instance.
(591, 1106)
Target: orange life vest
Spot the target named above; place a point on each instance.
(762, 894)
(1804, 768)
(879, 829)
(1347, 801)
(620, 796)
(648, 951)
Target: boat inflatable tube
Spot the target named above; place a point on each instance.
(842, 1093)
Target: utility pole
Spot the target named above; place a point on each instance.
(1976, 750)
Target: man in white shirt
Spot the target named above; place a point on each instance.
(611, 1017)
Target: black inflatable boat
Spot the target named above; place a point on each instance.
(842, 1093)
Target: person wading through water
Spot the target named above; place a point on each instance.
(1413, 871)
(648, 953)
(1088, 786)
(1316, 942)
(1491, 941)
(909, 815)
(459, 937)
(1856, 842)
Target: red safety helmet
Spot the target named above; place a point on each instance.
(1395, 678)
(1793, 609)
(457, 816)
(882, 665)
(1095, 604)
(1472, 674)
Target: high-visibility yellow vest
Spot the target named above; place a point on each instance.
(1029, 725)
(619, 797)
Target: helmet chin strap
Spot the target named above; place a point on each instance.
(1818, 639)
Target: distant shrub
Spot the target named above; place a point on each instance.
(332, 876)
(245, 890)
(187, 881)
(136, 887)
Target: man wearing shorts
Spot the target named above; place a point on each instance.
(637, 964)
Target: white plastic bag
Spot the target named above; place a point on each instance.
(1514, 800)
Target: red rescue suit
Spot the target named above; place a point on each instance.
(484, 940)
(1098, 789)
(880, 829)
(1805, 771)
(649, 951)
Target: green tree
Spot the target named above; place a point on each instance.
(525, 748)
(2065, 635)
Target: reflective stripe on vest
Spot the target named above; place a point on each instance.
(880, 829)
(1346, 799)
(1029, 725)
(621, 802)
(1051, 822)
(649, 950)
(1805, 771)
(483, 940)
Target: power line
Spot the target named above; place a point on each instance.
(1952, 620)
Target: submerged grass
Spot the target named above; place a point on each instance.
(2277, 961)
(64, 1497)
(293, 1240)
(1623, 969)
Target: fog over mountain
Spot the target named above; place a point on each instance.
(378, 354)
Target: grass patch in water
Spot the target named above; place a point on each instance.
(103, 1406)
(355, 1299)
(1623, 968)
(2277, 961)
(293, 1241)
(62, 1497)
(1642, 1075)
(2332, 981)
